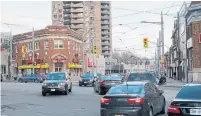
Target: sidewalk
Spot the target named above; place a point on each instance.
(174, 83)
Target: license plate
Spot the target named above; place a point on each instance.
(118, 115)
(52, 89)
(195, 112)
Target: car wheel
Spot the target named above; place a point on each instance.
(163, 109)
(70, 90)
(80, 85)
(151, 111)
(44, 93)
(66, 91)
(25, 81)
(85, 85)
(100, 91)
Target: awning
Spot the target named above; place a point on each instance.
(74, 66)
(31, 66)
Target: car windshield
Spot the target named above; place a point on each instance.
(111, 77)
(87, 75)
(142, 77)
(123, 89)
(190, 92)
(56, 76)
(116, 74)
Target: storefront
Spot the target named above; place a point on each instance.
(28, 69)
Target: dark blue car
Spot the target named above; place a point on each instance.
(86, 79)
(31, 78)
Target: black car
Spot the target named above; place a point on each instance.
(187, 102)
(86, 79)
(57, 82)
(133, 99)
(103, 83)
(143, 77)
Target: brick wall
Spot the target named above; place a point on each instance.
(196, 30)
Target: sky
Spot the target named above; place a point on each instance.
(37, 14)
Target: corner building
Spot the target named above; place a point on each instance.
(56, 48)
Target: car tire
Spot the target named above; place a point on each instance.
(66, 91)
(25, 81)
(70, 90)
(85, 85)
(163, 109)
(100, 91)
(80, 85)
(44, 93)
(150, 113)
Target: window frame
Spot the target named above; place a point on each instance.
(56, 42)
(35, 45)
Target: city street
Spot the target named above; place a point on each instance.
(25, 99)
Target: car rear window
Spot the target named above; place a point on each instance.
(123, 89)
(190, 92)
(111, 78)
(142, 77)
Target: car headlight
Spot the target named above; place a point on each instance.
(61, 84)
(44, 84)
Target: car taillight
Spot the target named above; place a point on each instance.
(103, 82)
(173, 109)
(105, 100)
(136, 100)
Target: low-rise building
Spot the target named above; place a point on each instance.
(56, 48)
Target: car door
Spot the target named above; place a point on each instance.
(155, 97)
(159, 98)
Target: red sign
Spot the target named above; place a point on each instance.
(90, 64)
(200, 38)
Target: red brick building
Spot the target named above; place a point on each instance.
(57, 48)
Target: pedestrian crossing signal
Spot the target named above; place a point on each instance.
(145, 40)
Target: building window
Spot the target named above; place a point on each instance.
(37, 45)
(55, 16)
(30, 47)
(60, 10)
(58, 66)
(68, 44)
(58, 44)
(46, 44)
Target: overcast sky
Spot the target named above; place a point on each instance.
(38, 14)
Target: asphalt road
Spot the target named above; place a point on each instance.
(25, 99)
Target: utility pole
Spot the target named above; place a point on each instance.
(162, 36)
(11, 55)
(159, 54)
(33, 45)
(178, 25)
(186, 60)
(83, 40)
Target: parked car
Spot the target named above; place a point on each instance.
(187, 102)
(133, 99)
(103, 83)
(30, 78)
(86, 79)
(57, 82)
(143, 77)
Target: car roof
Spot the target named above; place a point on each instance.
(135, 83)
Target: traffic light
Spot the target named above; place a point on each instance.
(95, 51)
(146, 42)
